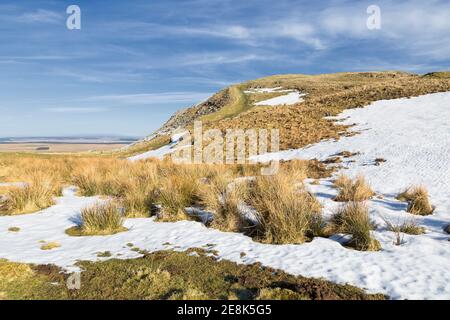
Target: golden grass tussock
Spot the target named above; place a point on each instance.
(99, 176)
(352, 190)
(418, 200)
(286, 211)
(41, 180)
(139, 190)
(353, 218)
(224, 196)
(99, 219)
(179, 189)
(37, 193)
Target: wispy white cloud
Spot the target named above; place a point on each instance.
(150, 98)
(417, 26)
(39, 16)
(97, 76)
(74, 110)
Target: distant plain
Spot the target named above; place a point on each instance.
(58, 147)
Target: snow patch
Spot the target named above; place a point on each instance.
(288, 99)
(291, 96)
(160, 153)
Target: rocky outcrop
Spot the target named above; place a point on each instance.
(185, 117)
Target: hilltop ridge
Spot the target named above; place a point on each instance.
(302, 123)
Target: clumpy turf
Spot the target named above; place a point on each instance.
(418, 200)
(353, 218)
(100, 219)
(223, 197)
(287, 212)
(352, 190)
(35, 195)
(169, 275)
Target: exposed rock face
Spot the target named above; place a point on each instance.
(187, 116)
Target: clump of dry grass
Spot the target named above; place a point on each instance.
(287, 213)
(352, 190)
(36, 194)
(99, 176)
(139, 192)
(225, 198)
(353, 218)
(99, 219)
(342, 181)
(179, 189)
(408, 227)
(418, 200)
(138, 199)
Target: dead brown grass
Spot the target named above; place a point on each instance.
(37, 193)
(179, 189)
(99, 219)
(223, 196)
(287, 213)
(352, 190)
(353, 218)
(418, 200)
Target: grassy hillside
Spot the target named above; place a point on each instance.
(303, 123)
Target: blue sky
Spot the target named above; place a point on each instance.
(134, 63)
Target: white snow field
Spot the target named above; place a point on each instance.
(411, 134)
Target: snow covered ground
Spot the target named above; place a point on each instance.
(411, 134)
(287, 99)
(162, 151)
(158, 153)
(291, 96)
(13, 184)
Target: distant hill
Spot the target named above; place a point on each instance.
(302, 123)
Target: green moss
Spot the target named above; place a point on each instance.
(168, 275)
(105, 254)
(50, 246)
(280, 294)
